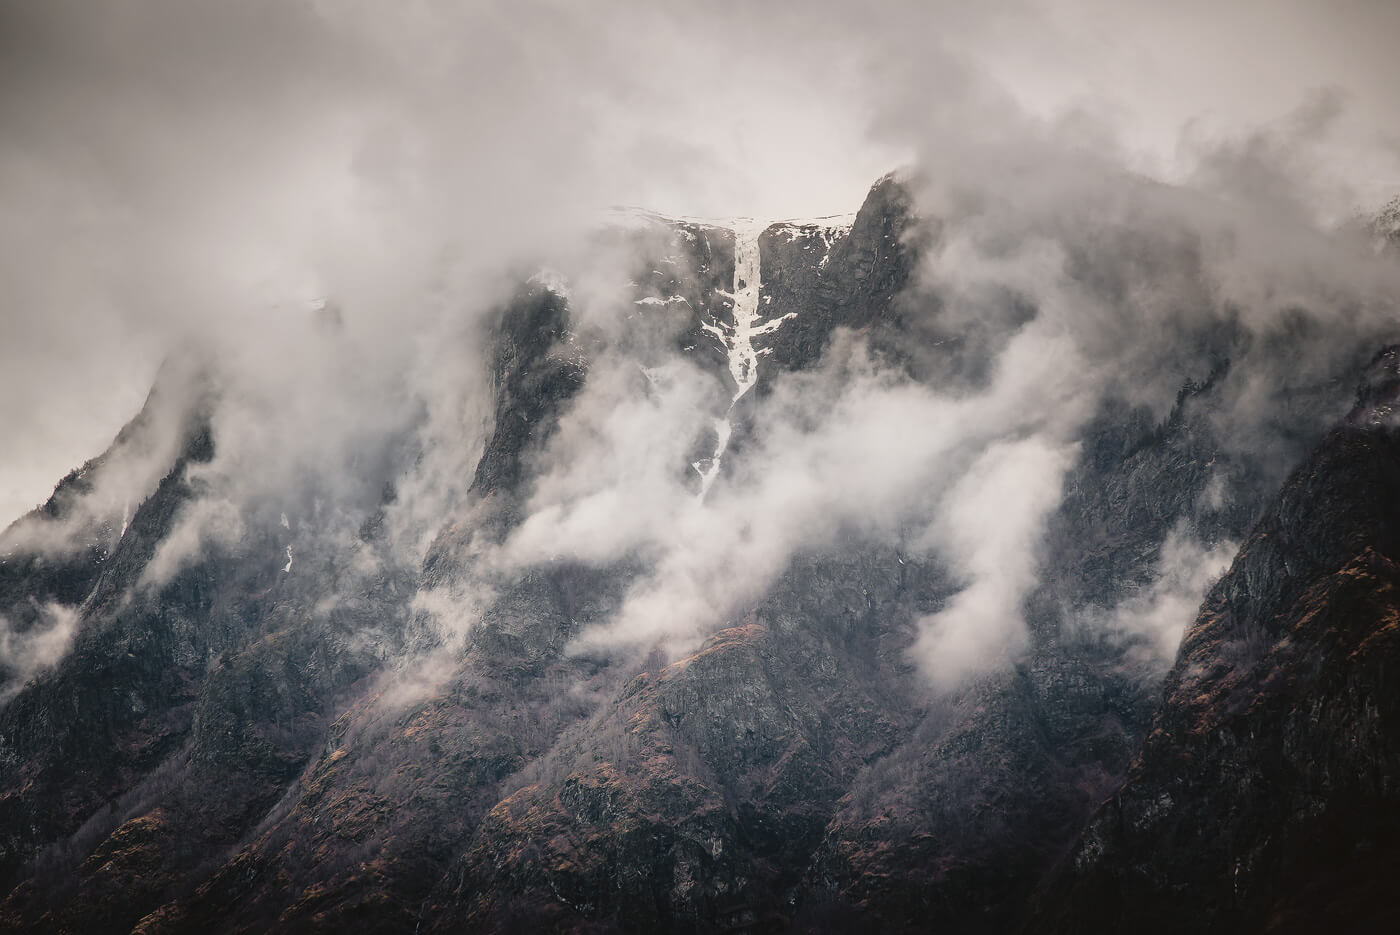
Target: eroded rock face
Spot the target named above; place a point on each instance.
(252, 744)
(700, 791)
(216, 751)
(1264, 797)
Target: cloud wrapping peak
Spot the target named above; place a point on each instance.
(1104, 193)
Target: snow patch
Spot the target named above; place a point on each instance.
(553, 280)
(830, 229)
(737, 339)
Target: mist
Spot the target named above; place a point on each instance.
(204, 181)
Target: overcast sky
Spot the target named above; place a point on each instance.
(176, 168)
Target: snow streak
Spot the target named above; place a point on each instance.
(737, 340)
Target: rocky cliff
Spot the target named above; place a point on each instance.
(274, 735)
(1263, 798)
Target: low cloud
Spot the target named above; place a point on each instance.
(327, 205)
(24, 654)
(1087, 283)
(852, 452)
(1152, 622)
(203, 524)
(988, 533)
(95, 507)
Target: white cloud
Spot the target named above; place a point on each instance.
(186, 178)
(1153, 621)
(27, 653)
(988, 532)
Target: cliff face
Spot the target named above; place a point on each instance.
(187, 702)
(1264, 796)
(272, 735)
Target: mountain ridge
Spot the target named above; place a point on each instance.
(254, 743)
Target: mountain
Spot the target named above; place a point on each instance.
(272, 727)
(1263, 798)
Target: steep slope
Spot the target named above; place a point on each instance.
(957, 826)
(54, 556)
(691, 839)
(692, 799)
(190, 698)
(365, 828)
(416, 759)
(297, 730)
(60, 769)
(959, 823)
(1264, 798)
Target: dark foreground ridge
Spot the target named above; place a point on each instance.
(1265, 797)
